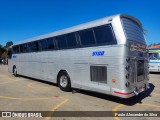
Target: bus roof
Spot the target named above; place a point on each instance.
(102, 21)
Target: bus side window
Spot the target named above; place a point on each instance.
(61, 42)
(71, 40)
(87, 37)
(21, 48)
(50, 43)
(44, 45)
(32, 46)
(16, 49)
(37, 46)
(104, 35)
(25, 48)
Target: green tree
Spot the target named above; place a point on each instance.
(4, 55)
(2, 50)
(8, 44)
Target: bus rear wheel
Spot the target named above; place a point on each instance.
(64, 82)
(15, 71)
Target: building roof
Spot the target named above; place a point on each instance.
(155, 46)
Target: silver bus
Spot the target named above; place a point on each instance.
(107, 55)
(154, 63)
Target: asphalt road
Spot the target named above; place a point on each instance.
(26, 94)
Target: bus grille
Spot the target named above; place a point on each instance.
(98, 74)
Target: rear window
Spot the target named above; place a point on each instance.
(132, 30)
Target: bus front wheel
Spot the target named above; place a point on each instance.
(64, 82)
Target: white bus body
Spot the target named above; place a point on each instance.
(107, 56)
(154, 63)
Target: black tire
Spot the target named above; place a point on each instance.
(15, 71)
(64, 82)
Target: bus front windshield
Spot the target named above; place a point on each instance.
(154, 56)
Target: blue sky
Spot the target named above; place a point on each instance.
(22, 19)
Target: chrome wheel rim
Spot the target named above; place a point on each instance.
(63, 81)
